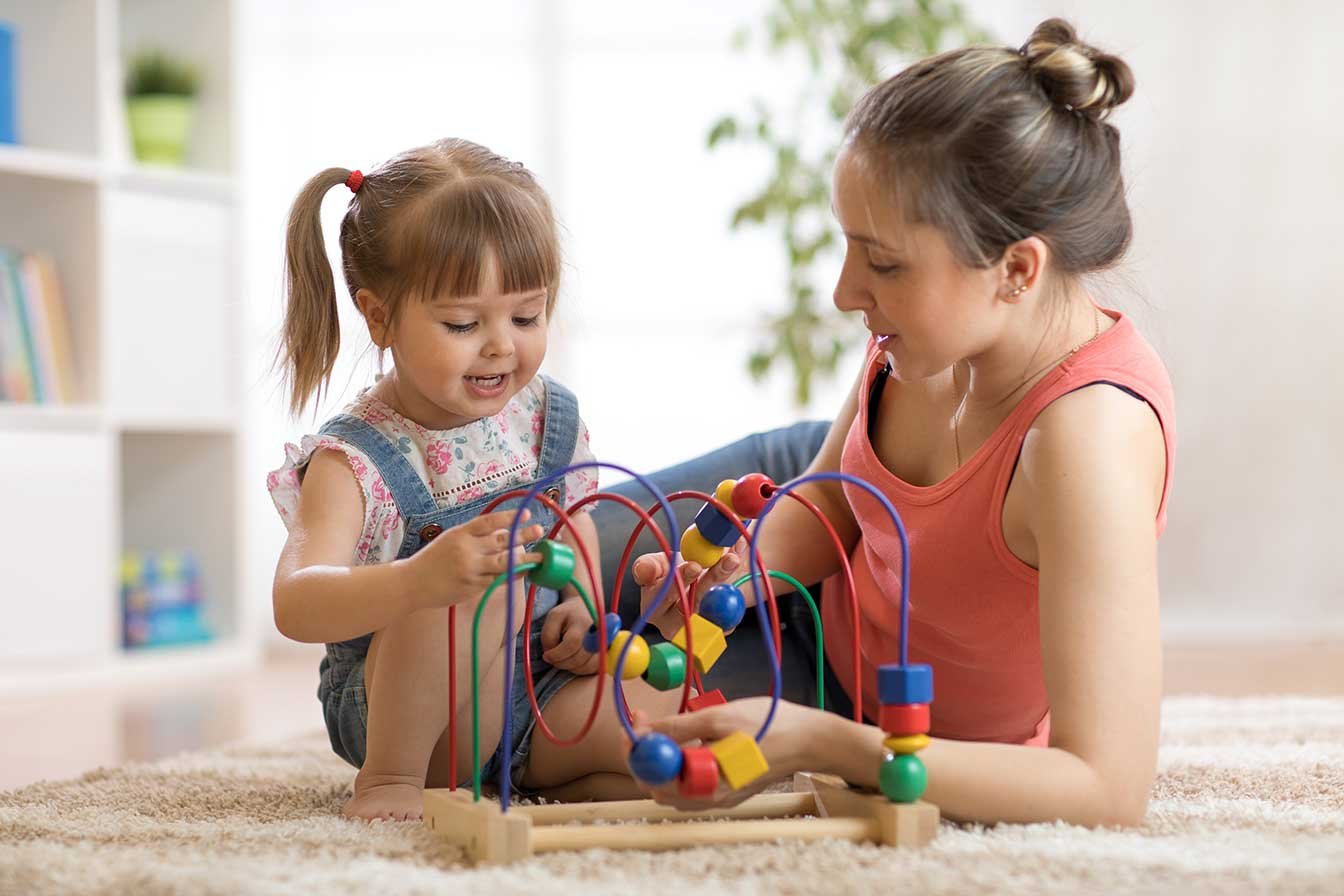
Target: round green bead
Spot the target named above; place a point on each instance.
(903, 778)
(557, 565)
(667, 666)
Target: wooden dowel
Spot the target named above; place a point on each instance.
(765, 805)
(700, 833)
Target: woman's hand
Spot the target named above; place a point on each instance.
(800, 739)
(462, 562)
(562, 638)
(651, 569)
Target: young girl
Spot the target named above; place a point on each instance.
(451, 255)
(1023, 432)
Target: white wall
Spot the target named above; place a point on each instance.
(1230, 140)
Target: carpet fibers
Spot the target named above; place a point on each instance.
(1249, 799)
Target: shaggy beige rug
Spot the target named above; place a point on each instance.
(1249, 799)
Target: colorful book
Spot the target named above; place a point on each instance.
(56, 357)
(9, 91)
(14, 378)
(44, 367)
(22, 351)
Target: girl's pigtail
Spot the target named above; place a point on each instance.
(312, 334)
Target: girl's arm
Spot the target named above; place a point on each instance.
(1094, 467)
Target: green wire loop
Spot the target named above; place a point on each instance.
(816, 621)
(475, 666)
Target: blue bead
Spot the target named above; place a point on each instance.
(590, 640)
(656, 759)
(716, 527)
(724, 606)
(902, 685)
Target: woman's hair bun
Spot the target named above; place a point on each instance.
(1075, 76)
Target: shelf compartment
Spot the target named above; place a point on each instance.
(56, 113)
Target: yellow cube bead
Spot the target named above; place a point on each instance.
(699, 549)
(708, 642)
(910, 743)
(740, 759)
(635, 662)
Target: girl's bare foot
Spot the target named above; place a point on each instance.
(382, 797)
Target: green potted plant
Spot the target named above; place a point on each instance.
(160, 105)
(847, 46)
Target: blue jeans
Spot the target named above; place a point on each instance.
(744, 669)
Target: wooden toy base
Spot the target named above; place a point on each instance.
(493, 837)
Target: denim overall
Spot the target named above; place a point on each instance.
(341, 689)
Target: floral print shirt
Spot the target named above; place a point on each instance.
(461, 465)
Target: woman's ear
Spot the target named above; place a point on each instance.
(376, 316)
(1023, 266)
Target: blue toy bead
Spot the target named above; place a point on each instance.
(716, 527)
(590, 640)
(724, 606)
(898, 685)
(655, 759)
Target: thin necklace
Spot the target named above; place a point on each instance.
(961, 406)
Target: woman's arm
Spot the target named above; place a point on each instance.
(1094, 467)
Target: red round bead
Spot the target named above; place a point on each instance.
(751, 494)
(699, 772)
(900, 719)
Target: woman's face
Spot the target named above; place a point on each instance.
(926, 310)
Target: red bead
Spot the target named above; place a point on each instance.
(900, 719)
(706, 700)
(699, 772)
(751, 494)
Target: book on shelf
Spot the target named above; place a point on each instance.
(9, 73)
(36, 354)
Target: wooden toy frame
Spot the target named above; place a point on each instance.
(492, 836)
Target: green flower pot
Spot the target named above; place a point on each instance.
(159, 127)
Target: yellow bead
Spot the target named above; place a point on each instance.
(911, 743)
(740, 759)
(725, 492)
(698, 549)
(708, 642)
(635, 662)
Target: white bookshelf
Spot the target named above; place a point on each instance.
(148, 455)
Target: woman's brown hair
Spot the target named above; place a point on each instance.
(992, 145)
(425, 224)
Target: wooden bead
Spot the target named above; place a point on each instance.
(910, 743)
(724, 605)
(707, 642)
(557, 565)
(667, 666)
(740, 759)
(695, 548)
(635, 662)
(699, 772)
(590, 642)
(912, 683)
(716, 528)
(903, 778)
(655, 759)
(724, 492)
(900, 719)
(751, 494)
(706, 700)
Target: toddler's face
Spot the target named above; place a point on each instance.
(926, 309)
(463, 359)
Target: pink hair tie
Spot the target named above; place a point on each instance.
(354, 180)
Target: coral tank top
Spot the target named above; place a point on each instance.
(973, 608)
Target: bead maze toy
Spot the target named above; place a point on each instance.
(497, 832)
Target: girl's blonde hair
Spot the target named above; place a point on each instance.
(427, 223)
(992, 145)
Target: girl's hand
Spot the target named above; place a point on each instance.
(562, 638)
(462, 562)
(650, 570)
(799, 740)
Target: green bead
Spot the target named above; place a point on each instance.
(903, 778)
(557, 565)
(667, 666)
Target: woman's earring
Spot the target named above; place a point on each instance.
(1014, 293)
